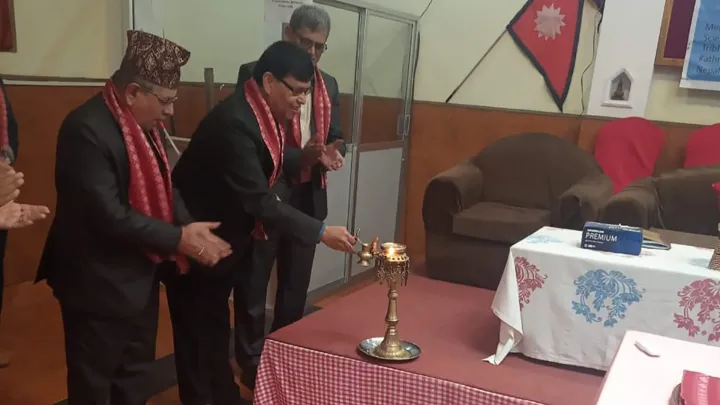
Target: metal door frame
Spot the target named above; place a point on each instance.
(364, 10)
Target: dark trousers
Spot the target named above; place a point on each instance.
(109, 359)
(3, 246)
(294, 267)
(200, 315)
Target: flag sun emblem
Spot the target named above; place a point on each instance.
(548, 22)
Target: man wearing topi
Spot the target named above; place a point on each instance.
(119, 226)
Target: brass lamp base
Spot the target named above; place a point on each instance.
(391, 350)
(405, 352)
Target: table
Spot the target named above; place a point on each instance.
(690, 239)
(635, 378)
(314, 361)
(560, 303)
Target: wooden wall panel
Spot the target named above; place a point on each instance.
(441, 136)
(39, 111)
(379, 123)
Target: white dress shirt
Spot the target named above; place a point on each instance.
(305, 111)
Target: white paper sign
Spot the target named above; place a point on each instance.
(149, 16)
(277, 16)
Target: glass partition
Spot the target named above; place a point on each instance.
(339, 60)
(370, 54)
(385, 79)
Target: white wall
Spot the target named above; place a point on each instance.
(630, 55)
(454, 35)
(83, 38)
(233, 33)
(68, 38)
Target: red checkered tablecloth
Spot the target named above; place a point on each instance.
(294, 375)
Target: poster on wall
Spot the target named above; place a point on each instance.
(149, 16)
(277, 16)
(7, 27)
(702, 58)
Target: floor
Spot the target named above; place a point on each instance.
(32, 330)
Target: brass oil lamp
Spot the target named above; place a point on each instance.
(392, 266)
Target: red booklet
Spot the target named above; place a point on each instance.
(699, 389)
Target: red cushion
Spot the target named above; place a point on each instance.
(627, 149)
(703, 147)
(716, 189)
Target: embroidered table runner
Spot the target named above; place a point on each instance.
(560, 303)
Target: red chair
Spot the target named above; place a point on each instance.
(703, 147)
(627, 149)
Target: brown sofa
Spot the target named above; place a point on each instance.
(682, 200)
(476, 210)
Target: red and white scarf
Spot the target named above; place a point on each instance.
(322, 108)
(151, 192)
(273, 136)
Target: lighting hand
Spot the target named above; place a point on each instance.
(338, 238)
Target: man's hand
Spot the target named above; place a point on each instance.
(338, 238)
(14, 215)
(311, 152)
(198, 242)
(331, 157)
(10, 182)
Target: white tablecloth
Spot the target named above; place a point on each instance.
(560, 303)
(635, 378)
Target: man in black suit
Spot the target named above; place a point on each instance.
(119, 226)
(305, 168)
(232, 171)
(12, 215)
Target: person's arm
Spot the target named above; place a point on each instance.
(11, 122)
(182, 215)
(241, 169)
(335, 132)
(83, 171)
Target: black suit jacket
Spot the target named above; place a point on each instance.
(223, 176)
(95, 254)
(12, 123)
(291, 162)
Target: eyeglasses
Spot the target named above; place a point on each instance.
(164, 101)
(296, 91)
(307, 43)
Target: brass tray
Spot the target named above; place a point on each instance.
(367, 347)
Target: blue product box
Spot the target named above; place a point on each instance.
(612, 238)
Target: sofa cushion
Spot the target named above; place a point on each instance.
(532, 169)
(499, 222)
(688, 202)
